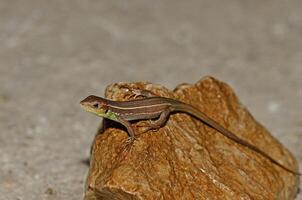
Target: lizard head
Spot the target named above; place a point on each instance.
(95, 104)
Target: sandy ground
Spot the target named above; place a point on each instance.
(54, 53)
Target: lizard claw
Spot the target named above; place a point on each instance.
(130, 140)
(128, 143)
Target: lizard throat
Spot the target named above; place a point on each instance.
(109, 115)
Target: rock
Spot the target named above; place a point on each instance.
(186, 159)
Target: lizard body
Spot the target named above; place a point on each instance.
(159, 107)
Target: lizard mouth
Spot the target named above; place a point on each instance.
(86, 107)
(91, 108)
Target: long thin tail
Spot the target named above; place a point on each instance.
(203, 117)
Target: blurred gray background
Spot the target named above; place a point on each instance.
(54, 53)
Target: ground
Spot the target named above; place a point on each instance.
(55, 53)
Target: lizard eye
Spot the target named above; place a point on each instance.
(96, 105)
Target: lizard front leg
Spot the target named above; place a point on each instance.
(129, 128)
(135, 93)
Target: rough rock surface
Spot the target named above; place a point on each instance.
(186, 159)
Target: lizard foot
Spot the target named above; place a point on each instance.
(132, 93)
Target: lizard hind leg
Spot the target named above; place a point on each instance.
(155, 124)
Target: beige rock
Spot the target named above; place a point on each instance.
(186, 159)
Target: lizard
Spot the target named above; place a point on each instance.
(154, 107)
